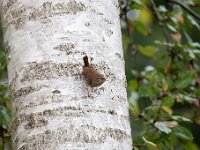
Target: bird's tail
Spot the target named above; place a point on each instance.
(86, 62)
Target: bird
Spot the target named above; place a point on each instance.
(92, 76)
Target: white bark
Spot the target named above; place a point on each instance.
(45, 42)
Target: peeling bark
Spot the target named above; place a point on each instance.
(45, 42)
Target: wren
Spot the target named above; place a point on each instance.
(92, 76)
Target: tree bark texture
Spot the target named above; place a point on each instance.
(45, 42)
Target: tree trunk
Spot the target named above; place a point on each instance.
(45, 42)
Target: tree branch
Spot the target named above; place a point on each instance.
(155, 10)
(185, 8)
(164, 30)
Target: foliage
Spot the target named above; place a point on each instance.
(5, 116)
(163, 56)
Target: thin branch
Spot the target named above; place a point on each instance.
(185, 8)
(164, 30)
(155, 10)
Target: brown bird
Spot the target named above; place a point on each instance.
(92, 76)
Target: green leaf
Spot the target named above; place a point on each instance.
(162, 9)
(135, 72)
(193, 21)
(163, 127)
(142, 28)
(167, 109)
(197, 92)
(180, 118)
(148, 90)
(164, 85)
(194, 45)
(163, 43)
(172, 28)
(150, 144)
(186, 98)
(133, 84)
(185, 79)
(183, 133)
(133, 103)
(190, 146)
(168, 101)
(2, 58)
(135, 148)
(150, 113)
(136, 5)
(126, 41)
(4, 116)
(149, 51)
(187, 36)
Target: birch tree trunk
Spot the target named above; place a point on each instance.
(45, 42)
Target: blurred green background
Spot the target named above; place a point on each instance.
(162, 54)
(161, 50)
